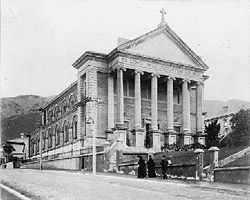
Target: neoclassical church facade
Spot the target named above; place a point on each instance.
(146, 93)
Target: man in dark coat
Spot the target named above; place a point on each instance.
(141, 168)
(164, 165)
(151, 167)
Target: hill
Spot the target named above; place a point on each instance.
(22, 104)
(216, 108)
(20, 114)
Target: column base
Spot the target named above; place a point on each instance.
(138, 137)
(110, 135)
(120, 133)
(120, 126)
(199, 137)
(185, 138)
(170, 137)
(155, 136)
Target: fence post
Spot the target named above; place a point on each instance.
(214, 160)
(199, 163)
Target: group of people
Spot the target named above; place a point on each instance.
(142, 172)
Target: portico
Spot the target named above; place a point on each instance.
(139, 129)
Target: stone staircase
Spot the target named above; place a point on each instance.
(234, 157)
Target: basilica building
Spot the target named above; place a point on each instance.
(146, 93)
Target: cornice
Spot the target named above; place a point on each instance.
(59, 95)
(89, 55)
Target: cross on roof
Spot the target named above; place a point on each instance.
(163, 13)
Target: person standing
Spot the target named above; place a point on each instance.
(141, 168)
(164, 166)
(151, 168)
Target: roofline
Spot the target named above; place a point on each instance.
(87, 55)
(196, 57)
(57, 96)
(12, 142)
(221, 116)
(176, 37)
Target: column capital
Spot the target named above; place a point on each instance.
(155, 75)
(138, 72)
(199, 82)
(169, 78)
(121, 68)
(186, 80)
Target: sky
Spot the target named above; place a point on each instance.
(40, 39)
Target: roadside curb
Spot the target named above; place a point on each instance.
(14, 192)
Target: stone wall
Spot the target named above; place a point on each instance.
(232, 175)
(173, 170)
(70, 164)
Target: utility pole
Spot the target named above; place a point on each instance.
(91, 122)
(92, 131)
(40, 148)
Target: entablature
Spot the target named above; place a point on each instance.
(153, 65)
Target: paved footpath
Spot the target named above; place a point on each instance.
(48, 184)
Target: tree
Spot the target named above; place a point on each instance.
(212, 130)
(8, 148)
(240, 124)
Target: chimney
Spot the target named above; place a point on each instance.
(22, 135)
(121, 41)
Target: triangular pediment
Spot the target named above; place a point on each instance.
(162, 44)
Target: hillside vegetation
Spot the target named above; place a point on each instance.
(20, 114)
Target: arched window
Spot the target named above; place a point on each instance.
(74, 127)
(50, 137)
(71, 101)
(37, 144)
(56, 110)
(50, 115)
(43, 140)
(66, 131)
(57, 134)
(64, 106)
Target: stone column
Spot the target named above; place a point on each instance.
(138, 99)
(154, 107)
(139, 131)
(120, 133)
(199, 105)
(120, 98)
(185, 107)
(170, 104)
(110, 102)
(154, 113)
